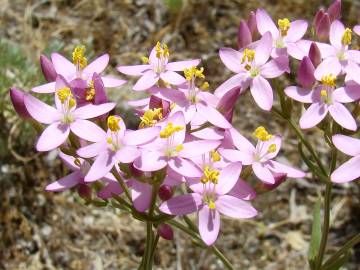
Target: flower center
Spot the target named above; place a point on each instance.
(151, 117)
(90, 92)
(167, 133)
(162, 54)
(248, 59)
(67, 103)
(114, 127)
(284, 26)
(191, 74)
(329, 80)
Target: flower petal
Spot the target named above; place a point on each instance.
(240, 141)
(87, 130)
(184, 167)
(346, 144)
(63, 66)
(148, 79)
(44, 88)
(228, 178)
(263, 49)
(90, 111)
(234, 207)
(172, 77)
(97, 66)
(243, 191)
(342, 116)
(102, 165)
(66, 182)
(300, 94)
(264, 23)
(231, 59)
(213, 116)
(141, 195)
(127, 154)
(235, 155)
(262, 93)
(296, 31)
(263, 173)
(198, 148)
(349, 93)
(140, 136)
(353, 70)
(291, 172)
(181, 65)
(313, 115)
(330, 65)
(182, 204)
(347, 172)
(150, 161)
(209, 225)
(52, 137)
(237, 80)
(112, 82)
(275, 67)
(40, 111)
(110, 189)
(337, 30)
(209, 134)
(136, 70)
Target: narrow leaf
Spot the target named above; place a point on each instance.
(315, 235)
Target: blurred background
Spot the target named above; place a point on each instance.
(39, 230)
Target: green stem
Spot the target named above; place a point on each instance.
(221, 256)
(153, 249)
(148, 246)
(122, 183)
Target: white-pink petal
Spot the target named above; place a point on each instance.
(336, 32)
(213, 116)
(41, 111)
(182, 204)
(172, 77)
(44, 88)
(66, 182)
(231, 59)
(264, 23)
(262, 93)
(263, 49)
(300, 94)
(228, 178)
(233, 207)
(136, 70)
(263, 173)
(296, 31)
(209, 225)
(87, 130)
(347, 144)
(342, 116)
(63, 66)
(112, 82)
(313, 115)
(90, 111)
(148, 79)
(347, 172)
(181, 65)
(52, 137)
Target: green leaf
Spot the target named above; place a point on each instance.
(336, 265)
(174, 6)
(315, 235)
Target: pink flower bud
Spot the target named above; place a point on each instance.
(84, 191)
(315, 54)
(17, 99)
(279, 179)
(323, 27)
(334, 10)
(318, 16)
(135, 172)
(47, 68)
(244, 37)
(165, 192)
(228, 100)
(156, 102)
(305, 73)
(251, 22)
(165, 231)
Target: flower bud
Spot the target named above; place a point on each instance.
(305, 73)
(334, 10)
(228, 100)
(47, 68)
(244, 36)
(84, 191)
(251, 22)
(165, 192)
(17, 99)
(100, 95)
(315, 54)
(318, 16)
(323, 27)
(134, 171)
(165, 231)
(279, 179)
(156, 102)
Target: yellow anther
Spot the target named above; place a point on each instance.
(113, 123)
(284, 25)
(179, 148)
(210, 176)
(145, 59)
(215, 156)
(78, 56)
(262, 134)
(205, 86)
(109, 140)
(248, 56)
(169, 130)
(193, 72)
(72, 102)
(346, 38)
(63, 94)
(151, 117)
(272, 148)
(77, 162)
(172, 106)
(90, 92)
(211, 204)
(161, 50)
(323, 93)
(329, 80)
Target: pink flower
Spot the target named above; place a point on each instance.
(338, 58)
(285, 37)
(157, 67)
(252, 68)
(209, 199)
(325, 98)
(260, 157)
(79, 69)
(170, 149)
(348, 171)
(65, 117)
(116, 145)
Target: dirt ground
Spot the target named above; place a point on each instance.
(39, 230)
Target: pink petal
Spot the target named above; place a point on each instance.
(178, 119)
(148, 79)
(63, 66)
(291, 172)
(209, 225)
(353, 55)
(353, 70)
(44, 88)
(342, 116)
(265, 23)
(110, 189)
(300, 94)
(357, 29)
(313, 115)
(69, 161)
(262, 93)
(347, 172)
(172, 77)
(97, 66)
(90, 111)
(92, 150)
(139, 102)
(299, 49)
(234, 207)
(347, 145)
(275, 67)
(112, 82)
(184, 167)
(127, 154)
(336, 32)
(263, 173)
(243, 191)
(330, 65)
(66, 182)
(87, 130)
(150, 161)
(140, 136)
(238, 80)
(102, 165)
(296, 31)
(136, 70)
(263, 49)
(181, 65)
(182, 204)
(40, 111)
(235, 155)
(209, 134)
(326, 50)
(213, 116)
(264, 146)
(198, 148)
(141, 195)
(228, 178)
(240, 141)
(231, 59)
(52, 137)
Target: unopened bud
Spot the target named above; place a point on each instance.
(252, 23)
(165, 192)
(334, 10)
(47, 68)
(17, 99)
(84, 191)
(315, 54)
(165, 231)
(323, 27)
(305, 73)
(244, 36)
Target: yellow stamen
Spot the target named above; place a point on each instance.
(193, 72)
(169, 130)
(323, 93)
(77, 162)
(113, 123)
(161, 50)
(145, 59)
(78, 56)
(329, 80)
(248, 56)
(151, 117)
(72, 102)
(90, 92)
(109, 140)
(205, 86)
(179, 148)
(284, 25)
(215, 156)
(262, 134)
(272, 148)
(172, 106)
(211, 204)
(63, 94)
(210, 176)
(346, 38)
